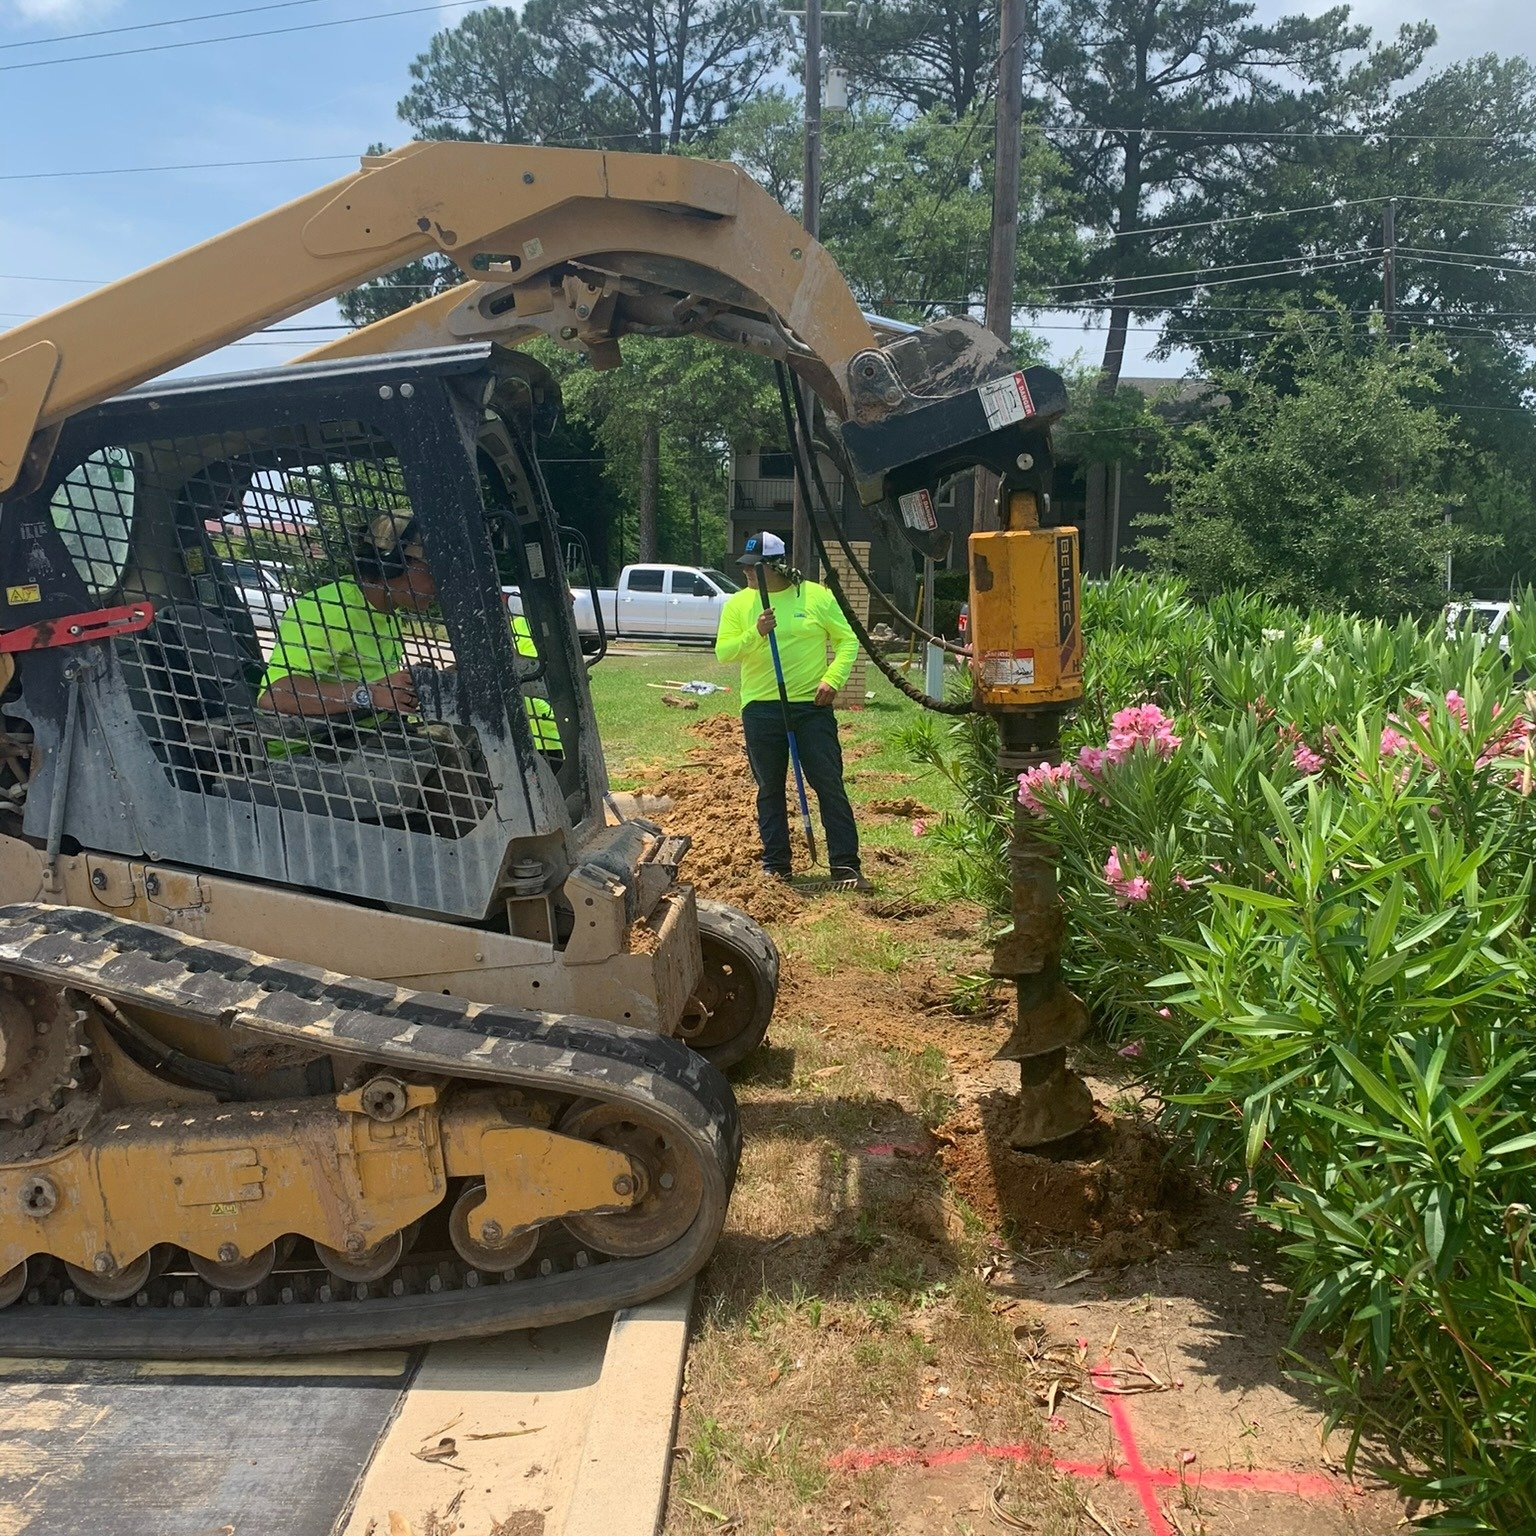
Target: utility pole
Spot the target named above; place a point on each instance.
(1003, 260)
(801, 545)
(1389, 264)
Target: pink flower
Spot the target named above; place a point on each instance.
(919, 827)
(1456, 705)
(1182, 883)
(1090, 760)
(1305, 760)
(1042, 777)
(1165, 1013)
(1127, 888)
(1133, 1051)
(1392, 742)
(1144, 724)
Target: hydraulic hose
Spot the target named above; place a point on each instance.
(803, 476)
(912, 627)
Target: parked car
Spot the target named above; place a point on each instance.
(261, 589)
(651, 602)
(1482, 616)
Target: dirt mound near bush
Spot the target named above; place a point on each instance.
(1119, 1198)
(903, 808)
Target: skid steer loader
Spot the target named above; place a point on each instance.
(336, 1006)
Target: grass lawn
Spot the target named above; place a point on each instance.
(843, 1306)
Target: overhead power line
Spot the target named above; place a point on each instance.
(149, 26)
(1282, 134)
(1247, 218)
(1471, 262)
(1232, 266)
(237, 37)
(144, 170)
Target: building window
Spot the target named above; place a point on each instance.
(776, 466)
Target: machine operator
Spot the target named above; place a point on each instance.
(340, 650)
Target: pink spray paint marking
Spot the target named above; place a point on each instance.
(1137, 1472)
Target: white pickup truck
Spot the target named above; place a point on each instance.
(657, 602)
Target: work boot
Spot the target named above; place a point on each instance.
(850, 880)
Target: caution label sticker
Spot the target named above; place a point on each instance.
(1006, 400)
(19, 597)
(917, 511)
(1005, 669)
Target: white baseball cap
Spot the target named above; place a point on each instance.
(760, 547)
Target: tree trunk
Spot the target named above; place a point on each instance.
(693, 517)
(650, 478)
(1096, 539)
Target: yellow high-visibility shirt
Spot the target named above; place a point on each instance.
(808, 623)
(541, 713)
(335, 634)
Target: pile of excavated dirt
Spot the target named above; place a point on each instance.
(713, 802)
(904, 808)
(1119, 1198)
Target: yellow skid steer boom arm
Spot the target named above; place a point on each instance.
(581, 245)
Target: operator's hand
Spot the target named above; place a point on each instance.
(825, 694)
(766, 621)
(397, 692)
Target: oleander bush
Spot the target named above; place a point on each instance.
(1296, 856)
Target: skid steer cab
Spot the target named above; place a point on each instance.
(266, 691)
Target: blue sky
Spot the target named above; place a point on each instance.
(324, 92)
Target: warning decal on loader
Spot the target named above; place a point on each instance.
(1008, 668)
(917, 511)
(1006, 400)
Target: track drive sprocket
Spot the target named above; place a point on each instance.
(41, 1043)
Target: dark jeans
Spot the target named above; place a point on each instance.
(821, 758)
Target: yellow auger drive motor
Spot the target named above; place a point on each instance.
(337, 1007)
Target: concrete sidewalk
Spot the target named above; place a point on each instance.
(563, 1432)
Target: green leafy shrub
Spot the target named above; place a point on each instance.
(1296, 857)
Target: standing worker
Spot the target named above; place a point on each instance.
(804, 618)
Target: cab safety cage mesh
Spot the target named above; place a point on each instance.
(297, 656)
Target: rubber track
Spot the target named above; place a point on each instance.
(147, 966)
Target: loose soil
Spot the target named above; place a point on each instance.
(897, 1288)
(1119, 1196)
(712, 797)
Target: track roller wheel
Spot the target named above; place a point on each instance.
(232, 1273)
(499, 1258)
(367, 1264)
(119, 1284)
(727, 1016)
(13, 1284)
(671, 1189)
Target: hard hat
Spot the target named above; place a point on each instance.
(388, 542)
(760, 547)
